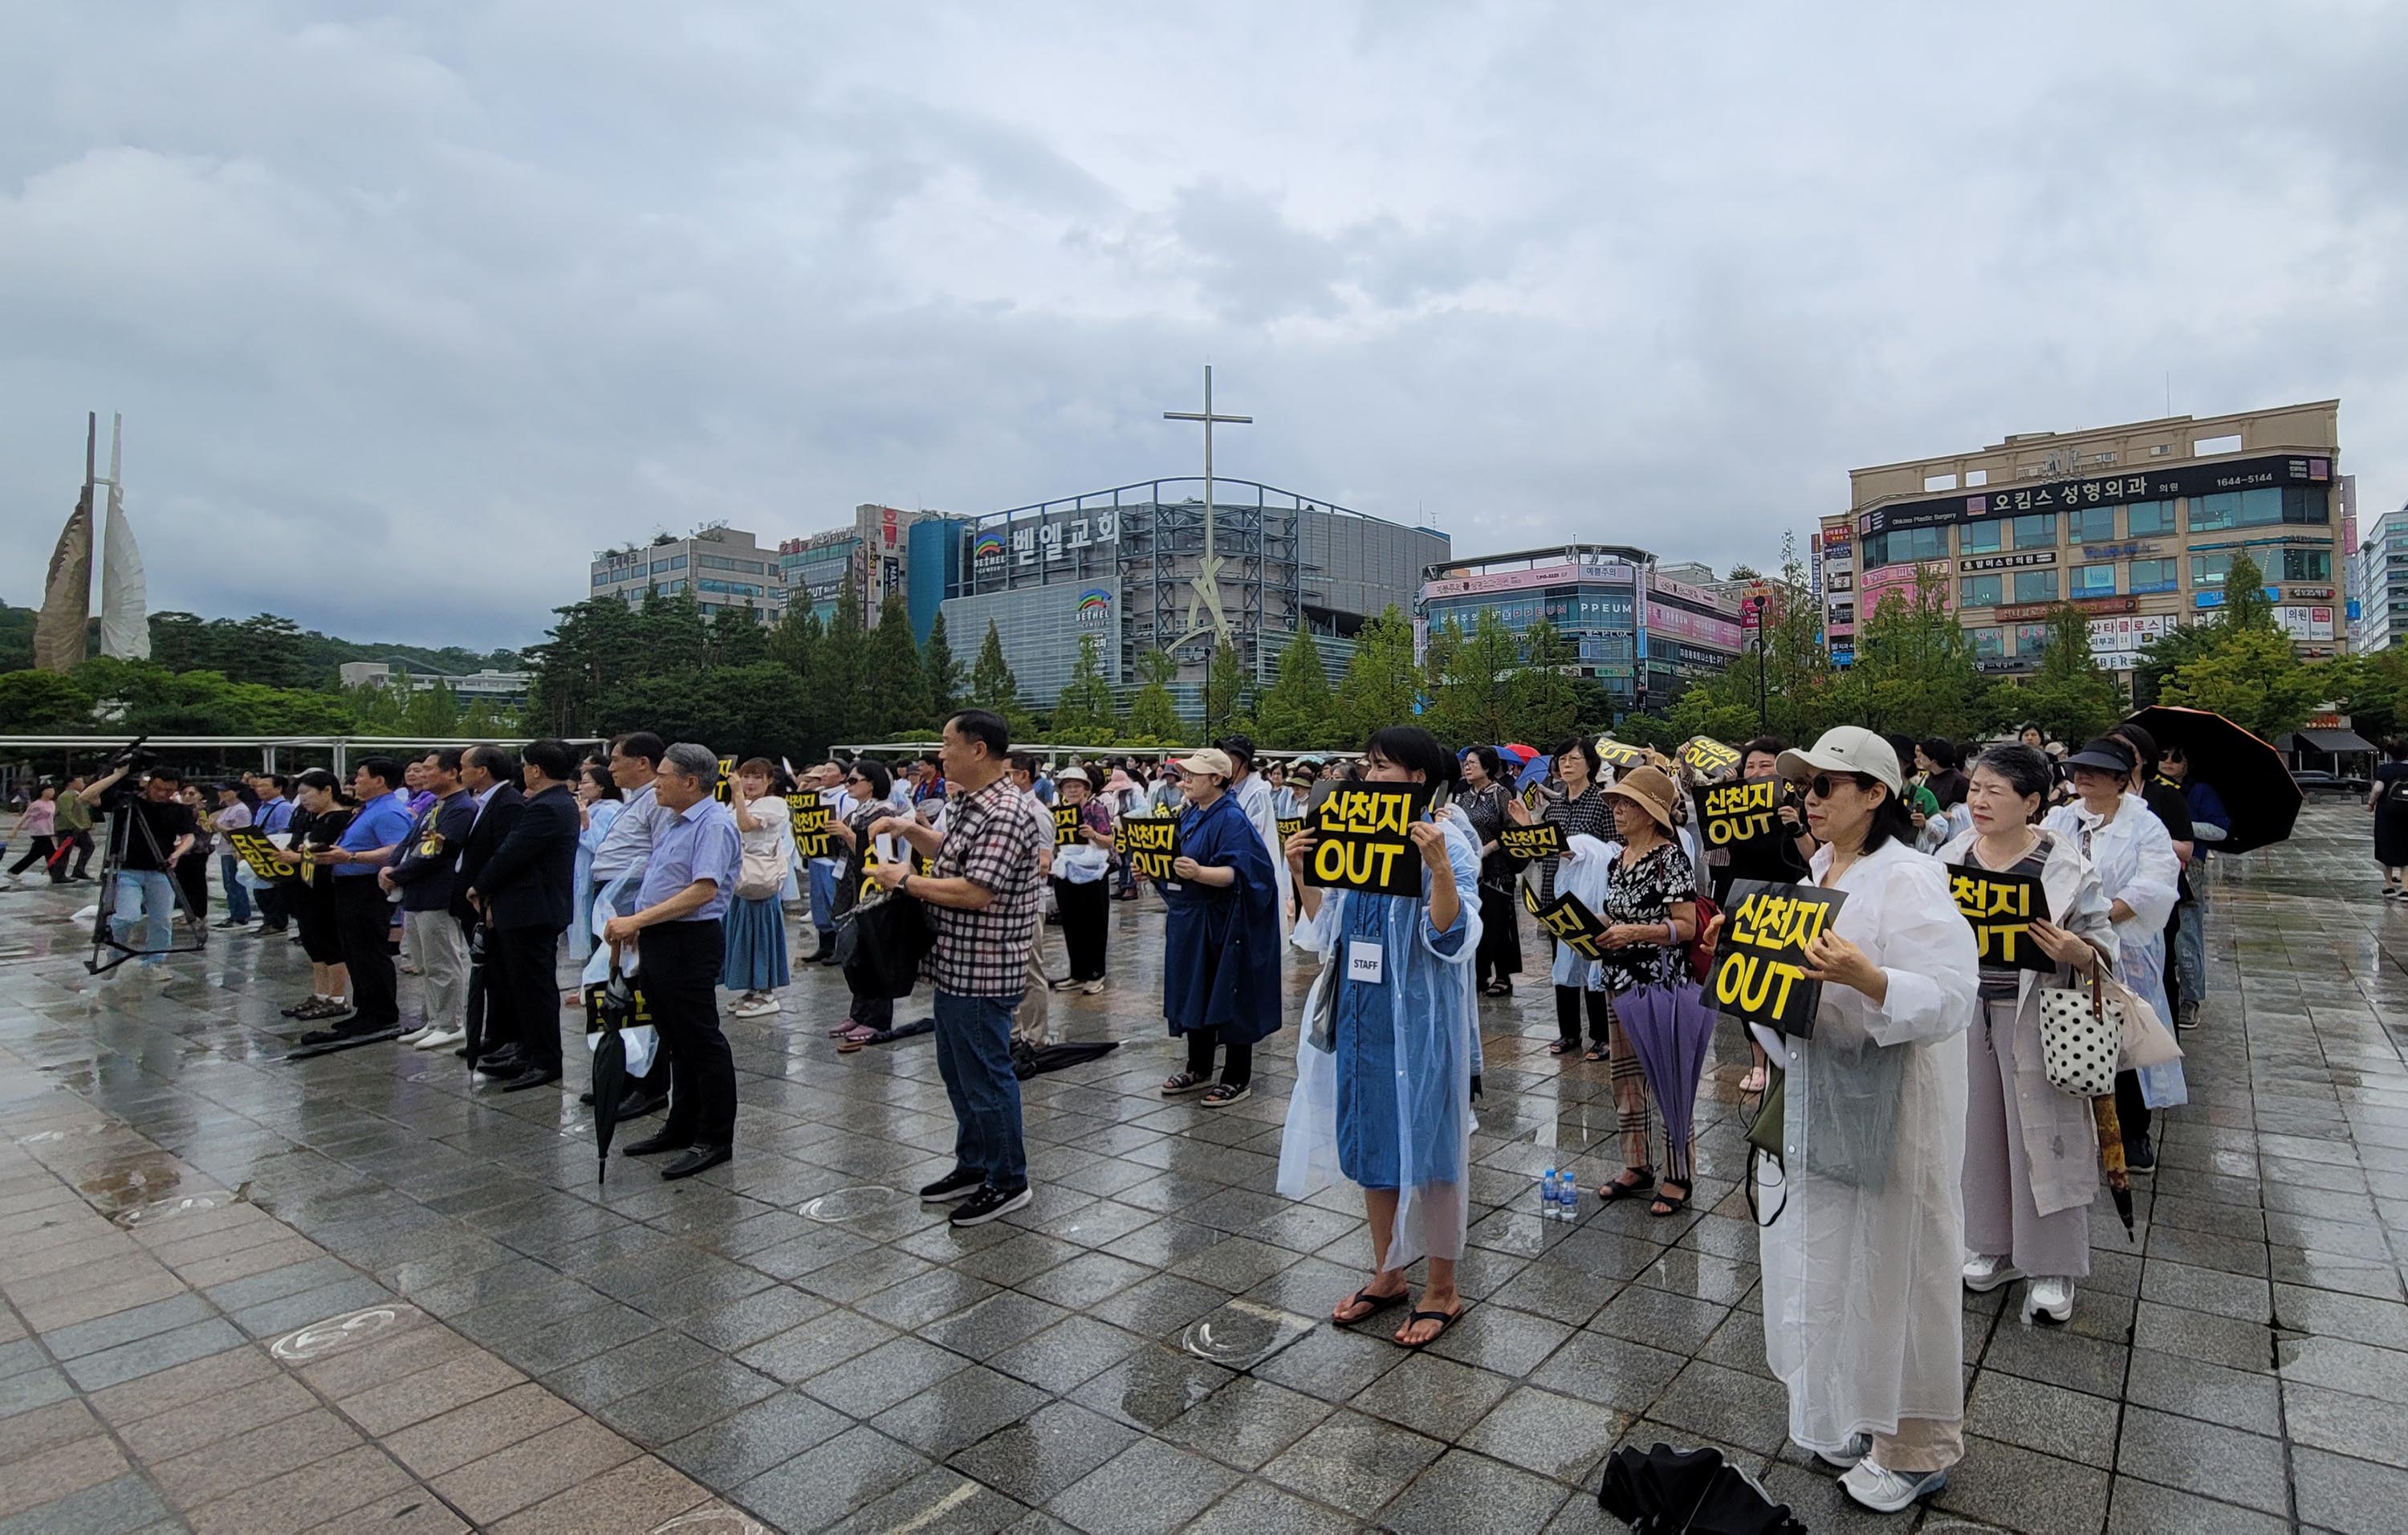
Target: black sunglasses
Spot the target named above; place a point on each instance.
(1820, 785)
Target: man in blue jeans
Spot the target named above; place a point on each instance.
(982, 890)
(149, 831)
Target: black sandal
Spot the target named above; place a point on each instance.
(1497, 988)
(1598, 1053)
(1444, 1320)
(1377, 1302)
(1615, 1188)
(1563, 1047)
(1673, 1203)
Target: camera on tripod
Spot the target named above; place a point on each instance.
(129, 756)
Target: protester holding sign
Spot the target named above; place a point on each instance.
(1485, 805)
(2032, 1152)
(1780, 858)
(1221, 944)
(1863, 1306)
(1078, 868)
(1651, 914)
(1383, 1076)
(2141, 874)
(1580, 811)
(756, 921)
(871, 790)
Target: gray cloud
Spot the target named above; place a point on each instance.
(408, 313)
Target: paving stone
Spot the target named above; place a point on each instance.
(1147, 1488)
(1352, 1462)
(2020, 1489)
(2338, 1494)
(1466, 1491)
(1055, 1447)
(828, 1481)
(2239, 1468)
(2052, 1419)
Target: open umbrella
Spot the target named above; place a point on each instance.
(1672, 1031)
(613, 1006)
(1665, 1489)
(2256, 784)
(1533, 771)
(1518, 751)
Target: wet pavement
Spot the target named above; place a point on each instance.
(358, 1292)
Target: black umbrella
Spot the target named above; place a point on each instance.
(473, 1022)
(610, 1009)
(1665, 1489)
(2254, 783)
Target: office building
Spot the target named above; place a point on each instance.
(502, 689)
(872, 555)
(2135, 525)
(724, 567)
(1119, 565)
(2378, 592)
(1645, 652)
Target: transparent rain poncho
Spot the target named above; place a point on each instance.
(2135, 858)
(1387, 1094)
(1863, 1306)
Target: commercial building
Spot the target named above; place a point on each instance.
(1644, 633)
(723, 567)
(872, 555)
(1119, 564)
(503, 689)
(2136, 524)
(2378, 588)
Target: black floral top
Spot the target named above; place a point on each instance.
(1584, 814)
(1484, 809)
(1646, 891)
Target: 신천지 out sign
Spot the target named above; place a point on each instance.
(1759, 974)
(1364, 838)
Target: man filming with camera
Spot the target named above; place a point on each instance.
(148, 829)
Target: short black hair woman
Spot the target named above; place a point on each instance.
(1863, 1305)
(1484, 802)
(1581, 811)
(2388, 801)
(1382, 1094)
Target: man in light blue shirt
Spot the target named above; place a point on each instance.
(680, 943)
(362, 913)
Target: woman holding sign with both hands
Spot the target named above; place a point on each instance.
(1863, 1305)
(2032, 1152)
(1580, 811)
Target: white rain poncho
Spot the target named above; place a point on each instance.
(2060, 1132)
(1262, 810)
(1586, 870)
(2134, 855)
(1863, 1264)
(1399, 1059)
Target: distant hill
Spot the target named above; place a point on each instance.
(261, 649)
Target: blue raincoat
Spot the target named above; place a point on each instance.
(1220, 948)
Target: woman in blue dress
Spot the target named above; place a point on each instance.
(1221, 945)
(1384, 1099)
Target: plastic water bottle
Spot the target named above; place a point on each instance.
(1547, 1195)
(1567, 1197)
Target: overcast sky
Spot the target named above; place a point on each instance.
(409, 314)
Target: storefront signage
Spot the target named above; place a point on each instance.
(2100, 491)
(2309, 594)
(1561, 573)
(1042, 539)
(2136, 550)
(2006, 663)
(2121, 638)
(2021, 612)
(2008, 562)
(1722, 633)
(2305, 623)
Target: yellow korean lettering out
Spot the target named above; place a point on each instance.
(1805, 923)
(1965, 890)
(2006, 900)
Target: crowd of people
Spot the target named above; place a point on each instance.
(1920, 1147)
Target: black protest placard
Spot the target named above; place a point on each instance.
(726, 793)
(1614, 753)
(2002, 908)
(1540, 839)
(258, 854)
(1708, 755)
(811, 814)
(1574, 925)
(1065, 825)
(1150, 842)
(1288, 826)
(1759, 971)
(1363, 837)
(1732, 815)
(640, 1013)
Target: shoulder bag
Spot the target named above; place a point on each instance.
(2082, 1038)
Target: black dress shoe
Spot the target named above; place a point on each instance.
(586, 1098)
(500, 1063)
(652, 1145)
(636, 1105)
(827, 957)
(534, 1076)
(694, 1161)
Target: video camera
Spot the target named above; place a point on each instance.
(130, 756)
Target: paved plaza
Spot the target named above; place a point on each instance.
(358, 1293)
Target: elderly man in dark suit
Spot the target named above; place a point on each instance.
(489, 774)
(524, 894)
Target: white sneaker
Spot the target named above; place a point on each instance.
(156, 975)
(415, 1034)
(438, 1039)
(1984, 1273)
(1846, 1459)
(1092, 988)
(2051, 1295)
(1887, 1492)
(759, 1007)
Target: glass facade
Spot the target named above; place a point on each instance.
(2265, 507)
(2092, 580)
(2035, 586)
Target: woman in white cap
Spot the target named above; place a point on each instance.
(1078, 893)
(1221, 941)
(1863, 1303)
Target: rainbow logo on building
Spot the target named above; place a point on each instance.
(989, 546)
(1095, 604)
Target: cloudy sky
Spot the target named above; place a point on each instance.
(410, 308)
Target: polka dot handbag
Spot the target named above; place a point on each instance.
(2080, 1036)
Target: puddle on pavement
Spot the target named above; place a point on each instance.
(306, 1345)
(190, 1204)
(148, 1178)
(850, 1204)
(717, 1520)
(1241, 1334)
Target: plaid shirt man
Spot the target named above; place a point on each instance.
(990, 840)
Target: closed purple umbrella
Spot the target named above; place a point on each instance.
(1672, 1031)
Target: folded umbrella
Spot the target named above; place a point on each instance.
(473, 1019)
(2111, 1155)
(613, 1009)
(2256, 784)
(1672, 1031)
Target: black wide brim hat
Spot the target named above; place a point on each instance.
(2106, 753)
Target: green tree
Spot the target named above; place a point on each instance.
(940, 673)
(2069, 697)
(1543, 702)
(795, 644)
(737, 637)
(2246, 605)
(673, 635)
(271, 649)
(595, 645)
(1153, 713)
(838, 691)
(760, 709)
(1228, 691)
(1382, 684)
(1592, 711)
(994, 687)
(1472, 680)
(2253, 678)
(43, 703)
(895, 684)
(1087, 712)
(1298, 711)
(1915, 669)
